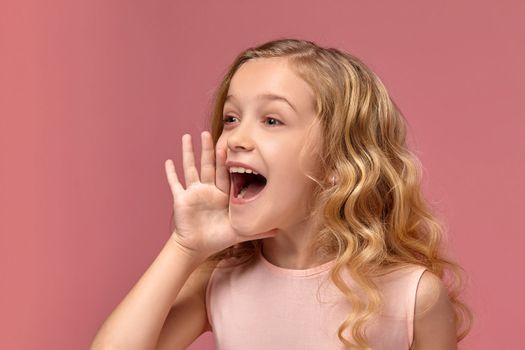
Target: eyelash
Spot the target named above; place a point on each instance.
(224, 120)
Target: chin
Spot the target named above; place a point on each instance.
(242, 225)
(246, 226)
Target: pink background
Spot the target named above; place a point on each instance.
(95, 96)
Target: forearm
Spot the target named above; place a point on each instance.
(137, 321)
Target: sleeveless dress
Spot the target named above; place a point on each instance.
(258, 305)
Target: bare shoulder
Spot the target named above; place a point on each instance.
(434, 316)
(430, 291)
(195, 288)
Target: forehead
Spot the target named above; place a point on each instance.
(271, 76)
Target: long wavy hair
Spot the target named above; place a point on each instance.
(374, 216)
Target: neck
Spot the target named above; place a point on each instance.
(293, 248)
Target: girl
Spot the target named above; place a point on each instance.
(306, 227)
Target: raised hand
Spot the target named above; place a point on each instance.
(202, 224)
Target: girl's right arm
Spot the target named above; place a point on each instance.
(162, 303)
(139, 318)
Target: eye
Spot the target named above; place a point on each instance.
(273, 122)
(278, 121)
(226, 118)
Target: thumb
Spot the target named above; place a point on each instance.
(222, 176)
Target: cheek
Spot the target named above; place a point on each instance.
(292, 178)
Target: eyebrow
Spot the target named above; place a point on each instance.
(266, 96)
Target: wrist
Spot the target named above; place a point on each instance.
(192, 256)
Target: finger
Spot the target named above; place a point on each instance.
(222, 174)
(171, 174)
(191, 174)
(207, 159)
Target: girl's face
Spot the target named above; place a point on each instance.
(267, 117)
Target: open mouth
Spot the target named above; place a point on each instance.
(246, 185)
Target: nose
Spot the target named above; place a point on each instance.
(240, 138)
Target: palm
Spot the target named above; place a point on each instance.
(200, 205)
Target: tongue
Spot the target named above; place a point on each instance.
(252, 189)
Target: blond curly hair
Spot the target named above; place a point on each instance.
(375, 216)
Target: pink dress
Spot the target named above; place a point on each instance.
(262, 306)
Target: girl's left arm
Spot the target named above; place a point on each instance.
(434, 319)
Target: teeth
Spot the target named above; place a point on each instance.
(242, 193)
(242, 170)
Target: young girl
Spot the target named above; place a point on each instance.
(306, 227)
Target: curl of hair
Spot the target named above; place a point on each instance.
(374, 217)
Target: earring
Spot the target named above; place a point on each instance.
(332, 180)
